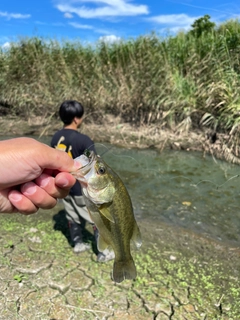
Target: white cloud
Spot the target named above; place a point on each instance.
(173, 22)
(6, 45)
(14, 15)
(68, 15)
(173, 19)
(80, 26)
(103, 8)
(110, 39)
(55, 24)
(88, 27)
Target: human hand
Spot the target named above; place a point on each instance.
(33, 175)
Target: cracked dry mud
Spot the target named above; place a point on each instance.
(180, 275)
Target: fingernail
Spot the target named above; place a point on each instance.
(63, 182)
(15, 197)
(43, 180)
(29, 188)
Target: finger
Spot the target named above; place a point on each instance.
(56, 159)
(56, 187)
(21, 203)
(38, 196)
(64, 180)
(5, 205)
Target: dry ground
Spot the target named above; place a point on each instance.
(181, 276)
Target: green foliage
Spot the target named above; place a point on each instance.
(19, 277)
(202, 26)
(189, 78)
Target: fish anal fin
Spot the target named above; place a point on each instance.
(136, 237)
(124, 270)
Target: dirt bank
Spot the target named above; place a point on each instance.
(128, 136)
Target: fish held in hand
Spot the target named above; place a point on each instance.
(110, 207)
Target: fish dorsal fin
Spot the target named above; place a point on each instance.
(136, 237)
(101, 244)
(105, 211)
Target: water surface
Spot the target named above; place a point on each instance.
(181, 188)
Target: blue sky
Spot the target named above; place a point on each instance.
(91, 20)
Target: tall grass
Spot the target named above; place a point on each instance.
(175, 81)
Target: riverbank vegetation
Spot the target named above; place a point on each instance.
(181, 82)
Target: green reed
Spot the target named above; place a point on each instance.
(183, 80)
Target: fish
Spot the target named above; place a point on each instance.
(110, 207)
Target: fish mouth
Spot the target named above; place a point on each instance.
(87, 161)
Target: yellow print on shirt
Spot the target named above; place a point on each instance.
(62, 147)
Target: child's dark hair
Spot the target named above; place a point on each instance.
(70, 109)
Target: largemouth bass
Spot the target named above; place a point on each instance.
(110, 207)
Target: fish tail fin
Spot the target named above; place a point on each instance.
(124, 270)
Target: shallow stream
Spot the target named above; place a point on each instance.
(185, 189)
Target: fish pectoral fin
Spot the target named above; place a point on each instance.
(136, 237)
(106, 213)
(101, 244)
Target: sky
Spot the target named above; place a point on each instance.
(89, 21)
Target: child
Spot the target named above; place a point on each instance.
(68, 139)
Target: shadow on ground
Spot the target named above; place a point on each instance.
(61, 224)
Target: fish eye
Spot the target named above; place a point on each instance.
(101, 170)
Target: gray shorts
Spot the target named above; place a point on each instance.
(76, 210)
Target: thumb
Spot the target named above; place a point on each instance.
(59, 160)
